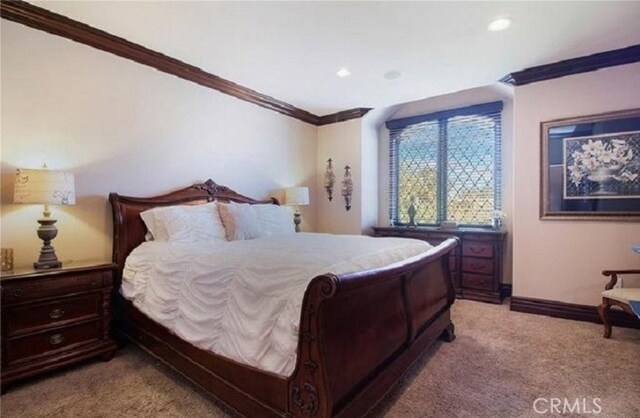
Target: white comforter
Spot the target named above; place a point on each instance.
(242, 299)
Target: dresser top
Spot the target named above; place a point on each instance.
(67, 267)
(453, 231)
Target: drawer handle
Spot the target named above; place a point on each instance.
(17, 292)
(56, 313)
(56, 339)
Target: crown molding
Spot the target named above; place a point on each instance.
(343, 116)
(574, 66)
(42, 19)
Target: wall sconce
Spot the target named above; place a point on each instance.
(329, 179)
(347, 187)
(48, 188)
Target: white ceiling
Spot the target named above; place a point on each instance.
(292, 50)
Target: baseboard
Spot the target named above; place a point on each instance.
(505, 290)
(570, 311)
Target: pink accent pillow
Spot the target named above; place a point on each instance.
(239, 220)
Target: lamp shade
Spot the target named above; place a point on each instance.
(297, 196)
(44, 187)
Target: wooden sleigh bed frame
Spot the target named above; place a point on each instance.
(359, 332)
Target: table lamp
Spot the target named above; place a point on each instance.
(297, 196)
(49, 188)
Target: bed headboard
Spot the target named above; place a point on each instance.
(128, 228)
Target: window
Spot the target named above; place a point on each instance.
(448, 163)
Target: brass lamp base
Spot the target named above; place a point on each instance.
(297, 220)
(47, 232)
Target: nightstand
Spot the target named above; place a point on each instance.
(55, 318)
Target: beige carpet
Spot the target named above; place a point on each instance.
(499, 364)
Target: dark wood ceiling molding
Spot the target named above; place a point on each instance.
(342, 116)
(43, 19)
(574, 66)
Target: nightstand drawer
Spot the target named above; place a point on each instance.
(54, 286)
(477, 250)
(477, 265)
(25, 348)
(23, 319)
(478, 282)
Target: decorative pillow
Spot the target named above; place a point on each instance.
(185, 223)
(154, 232)
(240, 221)
(274, 219)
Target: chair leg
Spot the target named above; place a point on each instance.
(603, 310)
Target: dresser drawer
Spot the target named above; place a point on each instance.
(27, 318)
(477, 250)
(478, 282)
(54, 286)
(44, 343)
(452, 263)
(477, 265)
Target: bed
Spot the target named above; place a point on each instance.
(358, 332)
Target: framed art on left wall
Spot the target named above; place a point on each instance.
(590, 167)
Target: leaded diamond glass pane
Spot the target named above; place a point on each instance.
(470, 169)
(417, 173)
(448, 162)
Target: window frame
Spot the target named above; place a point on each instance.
(397, 126)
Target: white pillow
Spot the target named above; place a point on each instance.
(274, 219)
(240, 221)
(185, 223)
(156, 233)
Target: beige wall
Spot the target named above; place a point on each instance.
(123, 127)
(354, 142)
(342, 142)
(451, 101)
(562, 260)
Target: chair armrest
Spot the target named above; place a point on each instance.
(614, 276)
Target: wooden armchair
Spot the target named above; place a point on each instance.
(619, 297)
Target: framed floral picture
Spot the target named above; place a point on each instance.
(590, 167)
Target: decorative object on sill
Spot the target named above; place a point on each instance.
(448, 224)
(412, 211)
(48, 188)
(7, 259)
(297, 196)
(497, 218)
(347, 187)
(590, 167)
(329, 179)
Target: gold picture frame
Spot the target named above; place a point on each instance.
(590, 167)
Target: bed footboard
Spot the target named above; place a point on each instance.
(360, 332)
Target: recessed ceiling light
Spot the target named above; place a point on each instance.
(392, 75)
(499, 24)
(343, 72)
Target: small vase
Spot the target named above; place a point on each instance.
(412, 214)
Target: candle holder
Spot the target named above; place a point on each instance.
(347, 187)
(329, 180)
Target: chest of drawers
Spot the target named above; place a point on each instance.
(54, 318)
(475, 264)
